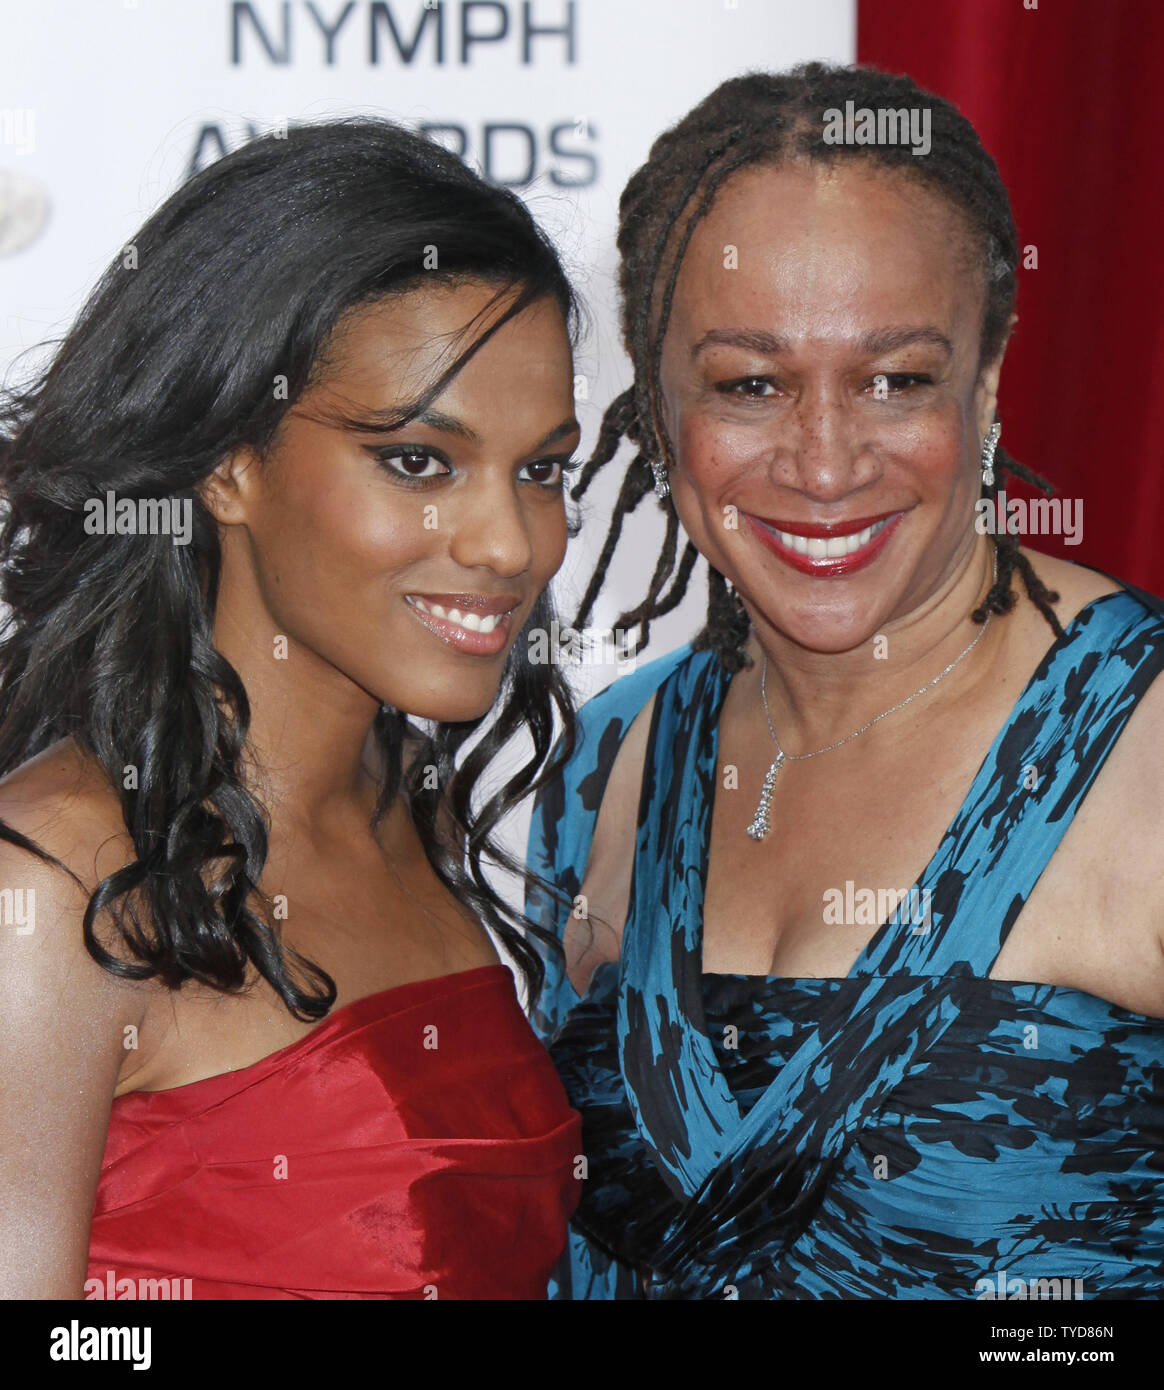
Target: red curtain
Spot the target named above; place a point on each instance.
(1067, 98)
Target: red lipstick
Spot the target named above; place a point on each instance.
(815, 535)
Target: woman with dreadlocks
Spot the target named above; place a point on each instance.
(864, 993)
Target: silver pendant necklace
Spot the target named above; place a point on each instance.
(760, 821)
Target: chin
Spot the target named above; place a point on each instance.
(829, 630)
(830, 640)
(460, 712)
(456, 701)
(453, 710)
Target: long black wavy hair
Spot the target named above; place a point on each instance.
(237, 280)
(771, 119)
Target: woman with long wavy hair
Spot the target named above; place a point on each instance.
(292, 483)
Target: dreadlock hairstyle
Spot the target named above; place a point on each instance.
(772, 119)
(241, 279)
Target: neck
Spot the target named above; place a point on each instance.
(310, 755)
(816, 698)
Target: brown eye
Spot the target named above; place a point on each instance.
(750, 387)
(548, 472)
(415, 465)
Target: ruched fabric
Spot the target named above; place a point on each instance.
(915, 1130)
(415, 1144)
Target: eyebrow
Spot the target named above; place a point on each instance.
(891, 339)
(878, 341)
(562, 431)
(449, 424)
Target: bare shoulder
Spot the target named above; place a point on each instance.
(597, 938)
(62, 803)
(63, 800)
(64, 1025)
(1136, 762)
(1134, 773)
(1076, 585)
(1095, 920)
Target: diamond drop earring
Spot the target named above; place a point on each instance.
(989, 444)
(662, 486)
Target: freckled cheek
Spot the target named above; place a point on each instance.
(712, 454)
(711, 458)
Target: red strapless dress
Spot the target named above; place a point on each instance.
(415, 1144)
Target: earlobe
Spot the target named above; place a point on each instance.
(988, 397)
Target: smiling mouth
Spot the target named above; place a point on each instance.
(827, 549)
(474, 623)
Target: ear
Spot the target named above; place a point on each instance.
(227, 492)
(986, 391)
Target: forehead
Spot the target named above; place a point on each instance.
(828, 251)
(409, 338)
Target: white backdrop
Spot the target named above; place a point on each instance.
(106, 105)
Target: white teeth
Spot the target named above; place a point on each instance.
(832, 547)
(471, 622)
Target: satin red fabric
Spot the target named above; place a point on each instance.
(415, 1144)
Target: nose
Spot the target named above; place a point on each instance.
(489, 527)
(824, 453)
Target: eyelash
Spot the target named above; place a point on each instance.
(731, 388)
(564, 463)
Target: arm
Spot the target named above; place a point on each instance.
(564, 823)
(61, 1050)
(593, 934)
(581, 842)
